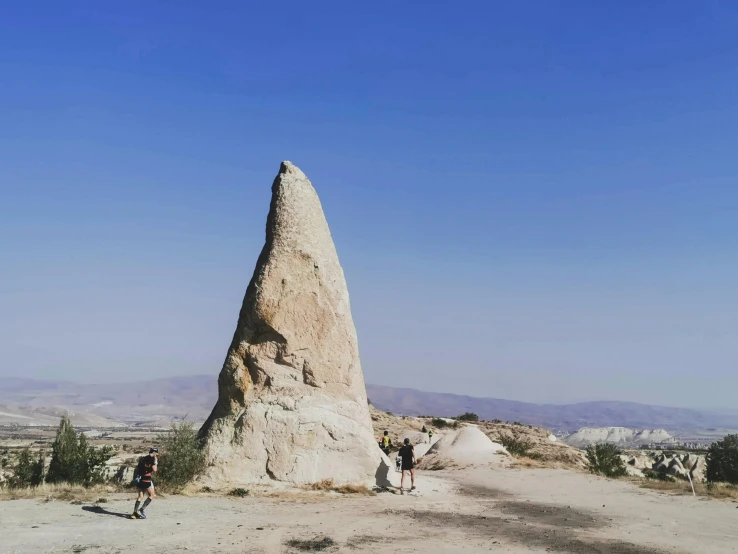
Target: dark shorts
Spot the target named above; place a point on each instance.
(407, 466)
(141, 485)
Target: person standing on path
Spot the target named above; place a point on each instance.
(407, 456)
(430, 435)
(147, 466)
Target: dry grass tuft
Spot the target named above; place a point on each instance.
(324, 485)
(679, 486)
(59, 491)
(327, 485)
(355, 489)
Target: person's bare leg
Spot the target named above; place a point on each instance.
(412, 479)
(402, 481)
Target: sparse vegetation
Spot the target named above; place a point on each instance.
(60, 492)
(518, 447)
(28, 472)
(239, 492)
(657, 475)
(468, 416)
(316, 544)
(182, 457)
(722, 461)
(440, 423)
(604, 459)
(74, 460)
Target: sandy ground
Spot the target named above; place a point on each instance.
(471, 510)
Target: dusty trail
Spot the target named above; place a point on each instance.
(475, 510)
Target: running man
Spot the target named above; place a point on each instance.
(147, 466)
(407, 454)
(430, 435)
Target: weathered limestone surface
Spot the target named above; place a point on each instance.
(292, 403)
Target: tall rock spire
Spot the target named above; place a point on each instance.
(292, 403)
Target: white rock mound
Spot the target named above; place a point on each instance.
(466, 447)
(292, 405)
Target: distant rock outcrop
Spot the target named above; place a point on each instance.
(292, 404)
(683, 466)
(618, 435)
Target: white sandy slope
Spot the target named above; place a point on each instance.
(468, 446)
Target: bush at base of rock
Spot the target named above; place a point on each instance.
(604, 459)
(182, 457)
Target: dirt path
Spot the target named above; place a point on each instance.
(491, 511)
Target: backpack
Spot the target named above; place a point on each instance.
(145, 467)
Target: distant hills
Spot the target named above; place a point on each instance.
(157, 402)
(564, 417)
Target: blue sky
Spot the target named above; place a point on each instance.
(531, 200)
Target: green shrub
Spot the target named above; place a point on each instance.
(468, 416)
(182, 457)
(516, 447)
(27, 471)
(657, 475)
(74, 460)
(604, 459)
(239, 492)
(722, 460)
(439, 423)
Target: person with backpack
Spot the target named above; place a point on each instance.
(147, 466)
(385, 443)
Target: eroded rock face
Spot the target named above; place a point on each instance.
(292, 403)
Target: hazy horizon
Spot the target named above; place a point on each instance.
(537, 203)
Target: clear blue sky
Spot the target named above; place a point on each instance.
(531, 200)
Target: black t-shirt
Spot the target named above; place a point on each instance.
(406, 453)
(146, 468)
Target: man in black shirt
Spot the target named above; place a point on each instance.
(407, 456)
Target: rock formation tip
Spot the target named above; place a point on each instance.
(288, 167)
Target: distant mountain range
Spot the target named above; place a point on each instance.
(158, 401)
(564, 417)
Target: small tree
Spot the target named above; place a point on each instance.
(722, 461)
(74, 460)
(182, 457)
(92, 462)
(27, 471)
(604, 458)
(64, 454)
(468, 416)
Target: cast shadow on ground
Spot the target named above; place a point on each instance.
(103, 512)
